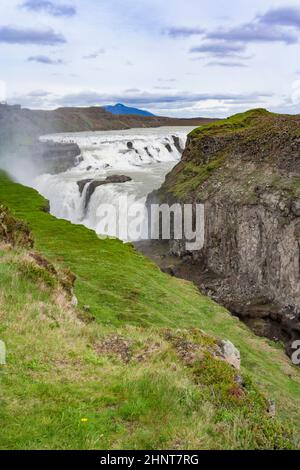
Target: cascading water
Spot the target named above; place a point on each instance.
(144, 155)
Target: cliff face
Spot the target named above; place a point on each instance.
(53, 157)
(246, 170)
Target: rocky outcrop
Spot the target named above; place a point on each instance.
(177, 143)
(57, 157)
(13, 231)
(2, 353)
(94, 184)
(230, 354)
(246, 171)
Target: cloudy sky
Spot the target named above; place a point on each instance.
(173, 57)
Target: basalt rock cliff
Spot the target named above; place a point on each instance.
(246, 171)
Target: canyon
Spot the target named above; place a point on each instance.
(244, 169)
(246, 172)
(99, 319)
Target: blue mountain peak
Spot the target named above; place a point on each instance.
(121, 109)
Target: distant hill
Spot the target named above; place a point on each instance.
(19, 125)
(20, 128)
(121, 109)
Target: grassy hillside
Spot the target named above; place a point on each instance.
(71, 382)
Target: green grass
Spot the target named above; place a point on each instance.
(193, 176)
(55, 377)
(237, 122)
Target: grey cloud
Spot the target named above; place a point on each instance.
(178, 103)
(183, 32)
(286, 16)
(156, 99)
(253, 33)
(16, 35)
(52, 8)
(273, 26)
(39, 93)
(167, 80)
(43, 59)
(132, 90)
(219, 49)
(94, 55)
(226, 64)
(163, 88)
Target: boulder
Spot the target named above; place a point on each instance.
(81, 184)
(117, 179)
(74, 301)
(94, 184)
(2, 353)
(176, 141)
(296, 208)
(271, 408)
(230, 354)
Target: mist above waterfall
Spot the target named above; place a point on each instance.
(144, 155)
(22, 169)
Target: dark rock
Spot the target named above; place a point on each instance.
(169, 270)
(169, 148)
(81, 184)
(297, 231)
(94, 184)
(239, 380)
(176, 141)
(296, 208)
(117, 179)
(271, 408)
(148, 152)
(56, 157)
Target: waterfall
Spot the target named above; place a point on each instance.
(145, 156)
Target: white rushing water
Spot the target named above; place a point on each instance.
(145, 155)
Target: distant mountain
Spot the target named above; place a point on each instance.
(121, 109)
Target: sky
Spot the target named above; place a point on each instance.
(175, 58)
